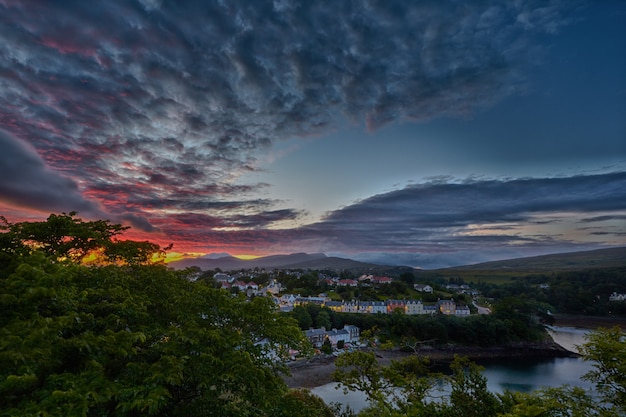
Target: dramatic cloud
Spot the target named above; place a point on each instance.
(501, 218)
(26, 181)
(443, 223)
(156, 114)
(156, 99)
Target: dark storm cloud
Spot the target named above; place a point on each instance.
(603, 218)
(26, 181)
(163, 98)
(451, 214)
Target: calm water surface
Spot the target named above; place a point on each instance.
(517, 374)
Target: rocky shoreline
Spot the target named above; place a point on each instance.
(318, 370)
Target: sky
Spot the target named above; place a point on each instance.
(427, 133)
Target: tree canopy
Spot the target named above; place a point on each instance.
(130, 338)
(65, 237)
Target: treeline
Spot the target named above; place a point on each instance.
(512, 322)
(572, 292)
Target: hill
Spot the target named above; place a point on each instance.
(292, 261)
(500, 272)
(600, 258)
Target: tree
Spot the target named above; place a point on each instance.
(323, 320)
(607, 349)
(302, 316)
(65, 237)
(327, 348)
(399, 389)
(129, 340)
(551, 402)
(302, 403)
(407, 277)
(469, 396)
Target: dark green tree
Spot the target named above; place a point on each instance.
(469, 396)
(327, 348)
(303, 317)
(65, 237)
(407, 277)
(607, 349)
(323, 320)
(129, 340)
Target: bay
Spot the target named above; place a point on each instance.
(514, 374)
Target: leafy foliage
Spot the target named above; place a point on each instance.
(607, 349)
(65, 237)
(573, 292)
(408, 388)
(513, 323)
(129, 340)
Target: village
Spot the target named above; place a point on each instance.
(287, 301)
(349, 335)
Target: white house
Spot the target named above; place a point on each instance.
(222, 277)
(423, 288)
(335, 336)
(414, 307)
(354, 332)
(379, 307)
(462, 310)
(349, 334)
(288, 299)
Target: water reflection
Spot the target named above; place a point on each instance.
(523, 375)
(518, 374)
(527, 375)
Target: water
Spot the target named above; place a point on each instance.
(568, 337)
(519, 374)
(527, 375)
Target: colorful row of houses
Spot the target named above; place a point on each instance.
(409, 307)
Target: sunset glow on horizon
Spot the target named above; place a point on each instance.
(405, 133)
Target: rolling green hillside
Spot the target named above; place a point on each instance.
(504, 271)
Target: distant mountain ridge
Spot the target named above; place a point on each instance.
(291, 261)
(599, 258)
